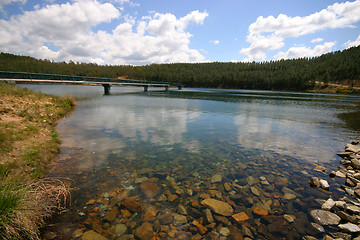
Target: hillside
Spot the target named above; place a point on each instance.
(340, 67)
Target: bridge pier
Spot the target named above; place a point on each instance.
(106, 88)
(166, 88)
(146, 88)
(179, 87)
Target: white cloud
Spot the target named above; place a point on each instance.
(299, 52)
(353, 43)
(215, 42)
(275, 30)
(316, 40)
(69, 27)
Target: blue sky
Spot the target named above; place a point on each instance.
(138, 32)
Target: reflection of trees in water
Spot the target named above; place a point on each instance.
(352, 119)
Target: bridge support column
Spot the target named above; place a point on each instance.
(166, 88)
(106, 88)
(146, 88)
(179, 87)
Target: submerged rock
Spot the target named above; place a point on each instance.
(315, 182)
(218, 207)
(150, 189)
(145, 231)
(92, 235)
(216, 178)
(239, 217)
(132, 203)
(325, 217)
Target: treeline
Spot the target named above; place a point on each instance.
(296, 74)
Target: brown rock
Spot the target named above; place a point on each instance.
(218, 207)
(201, 228)
(260, 211)
(204, 196)
(150, 215)
(239, 217)
(110, 216)
(195, 203)
(227, 187)
(145, 231)
(125, 213)
(132, 203)
(172, 198)
(92, 235)
(320, 168)
(221, 219)
(166, 219)
(280, 226)
(150, 189)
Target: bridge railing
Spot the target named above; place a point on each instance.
(57, 77)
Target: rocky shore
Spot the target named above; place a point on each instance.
(252, 195)
(341, 214)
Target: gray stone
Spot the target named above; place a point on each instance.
(289, 218)
(224, 231)
(340, 236)
(349, 227)
(318, 227)
(289, 196)
(346, 217)
(179, 219)
(328, 205)
(119, 229)
(216, 178)
(247, 232)
(182, 210)
(315, 182)
(340, 204)
(288, 193)
(250, 180)
(353, 209)
(141, 180)
(324, 184)
(340, 174)
(343, 154)
(357, 175)
(255, 191)
(218, 207)
(319, 168)
(208, 216)
(352, 148)
(325, 217)
(355, 163)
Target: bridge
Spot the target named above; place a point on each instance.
(107, 83)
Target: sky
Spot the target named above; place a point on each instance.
(140, 32)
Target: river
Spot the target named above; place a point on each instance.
(143, 163)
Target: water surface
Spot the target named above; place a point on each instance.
(260, 145)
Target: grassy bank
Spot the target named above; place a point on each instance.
(28, 142)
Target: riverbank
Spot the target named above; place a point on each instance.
(28, 142)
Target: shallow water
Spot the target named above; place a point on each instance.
(260, 145)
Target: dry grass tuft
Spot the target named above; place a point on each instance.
(34, 203)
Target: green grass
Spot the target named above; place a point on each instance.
(27, 145)
(11, 195)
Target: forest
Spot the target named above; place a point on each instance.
(296, 74)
